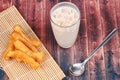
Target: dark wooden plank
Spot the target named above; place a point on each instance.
(112, 47)
(81, 48)
(30, 12)
(117, 67)
(1, 8)
(4, 4)
(39, 23)
(51, 43)
(94, 31)
(21, 5)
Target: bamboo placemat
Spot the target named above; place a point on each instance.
(48, 70)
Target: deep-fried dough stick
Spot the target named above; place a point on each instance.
(38, 56)
(10, 47)
(35, 42)
(18, 29)
(27, 59)
(20, 46)
(10, 55)
(17, 36)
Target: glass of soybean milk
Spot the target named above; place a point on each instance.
(65, 21)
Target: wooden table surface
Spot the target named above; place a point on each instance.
(98, 19)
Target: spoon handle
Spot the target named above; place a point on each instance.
(102, 44)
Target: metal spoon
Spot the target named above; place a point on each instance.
(78, 69)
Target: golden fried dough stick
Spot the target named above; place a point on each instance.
(10, 47)
(38, 56)
(18, 29)
(20, 46)
(18, 58)
(35, 42)
(17, 36)
(10, 55)
(27, 59)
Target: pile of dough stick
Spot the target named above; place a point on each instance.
(23, 48)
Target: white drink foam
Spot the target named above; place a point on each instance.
(65, 16)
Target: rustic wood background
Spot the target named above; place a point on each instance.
(98, 19)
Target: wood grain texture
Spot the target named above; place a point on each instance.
(81, 44)
(117, 11)
(94, 31)
(111, 49)
(98, 19)
(21, 5)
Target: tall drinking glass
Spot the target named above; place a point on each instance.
(65, 20)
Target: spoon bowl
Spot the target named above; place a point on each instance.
(77, 69)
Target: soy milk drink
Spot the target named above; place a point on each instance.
(65, 20)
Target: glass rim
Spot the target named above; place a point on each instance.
(69, 3)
